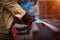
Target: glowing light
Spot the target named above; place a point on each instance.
(58, 0)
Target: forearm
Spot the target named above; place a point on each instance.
(15, 9)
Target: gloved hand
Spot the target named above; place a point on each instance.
(27, 19)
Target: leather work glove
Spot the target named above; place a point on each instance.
(27, 19)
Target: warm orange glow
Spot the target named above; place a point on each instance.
(58, 1)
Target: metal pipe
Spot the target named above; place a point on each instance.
(52, 27)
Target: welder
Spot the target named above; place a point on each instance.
(9, 10)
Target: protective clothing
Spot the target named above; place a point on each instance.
(8, 10)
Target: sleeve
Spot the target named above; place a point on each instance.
(14, 8)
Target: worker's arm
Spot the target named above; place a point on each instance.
(14, 8)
